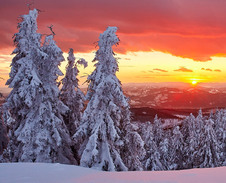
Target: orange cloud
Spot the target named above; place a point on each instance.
(208, 69)
(183, 69)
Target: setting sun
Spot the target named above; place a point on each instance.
(194, 82)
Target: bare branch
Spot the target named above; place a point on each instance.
(40, 11)
(51, 29)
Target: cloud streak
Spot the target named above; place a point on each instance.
(210, 70)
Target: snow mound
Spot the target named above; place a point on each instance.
(58, 173)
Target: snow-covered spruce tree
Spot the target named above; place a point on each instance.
(108, 139)
(153, 162)
(37, 133)
(191, 140)
(24, 79)
(164, 150)
(209, 148)
(220, 129)
(176, 159)
(223, 139)
(157, 130)
(71, 95)
(199, 122)
(53, 136)
(8, 121)
(3, 134)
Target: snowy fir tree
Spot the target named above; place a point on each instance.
(191, 142)
(132, 152)
(108, 139)
(199, 122)
(176, 153)
(55, 142)
(153, 162)
(37, 132)
(222, 140)
(3, 134)
(157, 130)
(164, 151)
(220, 129)
(23, 77)
(70, 94)
(143, 130)
(209, 147)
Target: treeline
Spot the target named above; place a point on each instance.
(199, 142)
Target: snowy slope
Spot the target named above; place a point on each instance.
(57, 173)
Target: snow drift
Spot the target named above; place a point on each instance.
(58, 173)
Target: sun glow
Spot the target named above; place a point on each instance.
(194, 82)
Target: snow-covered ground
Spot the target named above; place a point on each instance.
(57, 173)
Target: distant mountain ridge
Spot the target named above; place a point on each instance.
(173, 97)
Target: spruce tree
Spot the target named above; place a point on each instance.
(191, 142)
(108, 139)
(176, 153)
(24, 79)
(56, 143)
(223, 140)
(70, 94)
(209, 147)
(3, 134)
(37, 132)
(220, 129)
(153, 162)
(199, 122)
(157, 130)
(164, 150)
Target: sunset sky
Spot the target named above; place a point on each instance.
(161, 40)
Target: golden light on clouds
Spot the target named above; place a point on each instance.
(139, 67)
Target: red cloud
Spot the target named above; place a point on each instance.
(186, 28)
(183, 69)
